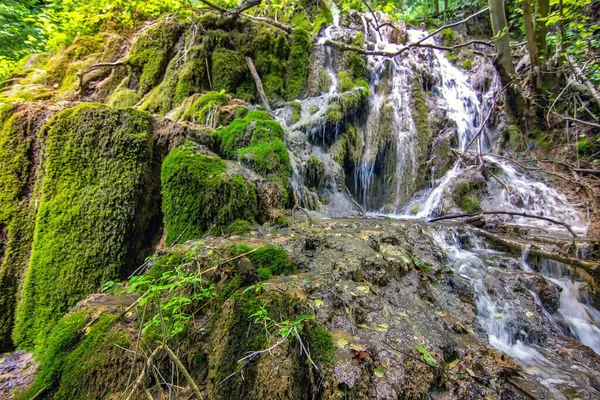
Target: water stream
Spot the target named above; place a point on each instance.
(508, 319)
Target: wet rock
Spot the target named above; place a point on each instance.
(247, 270)
(548, 292)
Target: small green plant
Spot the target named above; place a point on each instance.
(426, 356)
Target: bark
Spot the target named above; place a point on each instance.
(259, 86)
(504, 57)
(543, 7)
(534, 56)
(436, 7)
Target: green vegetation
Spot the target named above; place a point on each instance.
(98, 193)
(16, 212)
(465, 198)
(257, 141)
(275, 259)
(298, 62)
(239, 227)
(198, 194)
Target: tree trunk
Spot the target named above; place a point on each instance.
(543, 7)
(445, 6)
(436, 7)
(503, 60)
(534, 56)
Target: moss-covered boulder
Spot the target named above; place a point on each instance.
(18, 146)
(97, 211)
(256, 140)
(200, 192)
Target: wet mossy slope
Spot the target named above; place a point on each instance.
(97, 201)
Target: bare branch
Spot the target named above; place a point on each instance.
(515, 213)
(259, 86)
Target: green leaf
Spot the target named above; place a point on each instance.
(341, 343)
(380, 372)
(428, 358)
(319, 303)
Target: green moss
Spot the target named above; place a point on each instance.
(467, 63)
(16, 211)
(257, 141)
(151, 53)
(321, 345)
(324, 81)
(275, 259)
(345, 82)
(298, 63)
(198, 194)
(122, 96)
(239, 227)
(204, 109)
(315, 171)
(79, 363)
(515, 137)
(584, 147)
(264, 273)
(450, 37)
(357, 65)
(228, 69)
(420, 116)
(296, 109)
(347, 147)
(98, 197)
(464, 198)
(334, 114)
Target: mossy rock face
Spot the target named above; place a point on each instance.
(151, 53)
(298, 63)
(256, 140)
(80, 363)
(97, 210)
(17, 148)
(315, 171)
(198, 194)
(421, 118)
(284, 373)
(466, 196)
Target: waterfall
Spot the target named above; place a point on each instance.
(503, 315)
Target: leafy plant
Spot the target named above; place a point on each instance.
(426, 356)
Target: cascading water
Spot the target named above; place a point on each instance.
(383, 177)
(509, 318)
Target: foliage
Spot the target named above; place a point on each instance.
(426, 356)
(92, 221)
(275, 259)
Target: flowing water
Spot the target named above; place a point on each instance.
(510, 319)
(517, 325)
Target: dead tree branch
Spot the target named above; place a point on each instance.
(419, 43)
(84, 71)
(514, 213)
(259, 86)
(184, 371)
(536, 251)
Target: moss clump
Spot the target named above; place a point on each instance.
(334, 114)
(239, 227)
(464, 197)
(514, 136)
(198, 194)
(80, 363)
(348, 147)
(296, 109)
(324, 81)
(17, 144)
(450, 37)
(228, 69)
(275, 259)
(123, 97)
(257, 141)
(357, 65)
(421, 119)
(95, 214)
(298, 62)
(345, 82)
(584, 147)
(467, 63)
(322, 347)
(315, 171)
(151, 53)
(204, 109)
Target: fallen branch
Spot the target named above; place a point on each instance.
(297, 207)
(140, 379)
(235, 258)
(259, 86)
(514, 213)
(269, 21)
(184, 371)
(362, 211)
(536, 251)
(345, 47)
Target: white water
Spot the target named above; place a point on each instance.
(499, 312)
